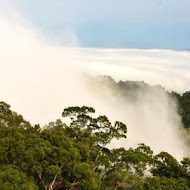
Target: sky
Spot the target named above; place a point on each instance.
(159, 24)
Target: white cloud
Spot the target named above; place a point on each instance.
(166, 67)
(40, 79)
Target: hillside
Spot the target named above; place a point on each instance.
(131, 89)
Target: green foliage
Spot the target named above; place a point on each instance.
(168, 166)
(10, 118)
(122, 180)
(75, 156)
(184, 107)
(12, 178)
(163, 183)
(132, 89)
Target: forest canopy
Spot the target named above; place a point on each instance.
(75, 156)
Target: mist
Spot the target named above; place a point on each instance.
(150, 115)
(39, 79)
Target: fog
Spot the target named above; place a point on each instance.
(39, 79)
(150, 115)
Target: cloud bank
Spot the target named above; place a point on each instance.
(39, 79)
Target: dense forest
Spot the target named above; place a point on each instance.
(130, 90)
(75, 156)
(184, 107)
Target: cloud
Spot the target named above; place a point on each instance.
(150, 114)
(166, 67)
(39, 79)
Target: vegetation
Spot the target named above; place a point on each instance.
(184, 107)
(131, 89)
(75, 156)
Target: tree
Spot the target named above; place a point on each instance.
(11, 178)
(75, 156)
(164, 183)
(11, 118)
(168, 166)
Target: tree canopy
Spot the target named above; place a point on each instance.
(75, 156)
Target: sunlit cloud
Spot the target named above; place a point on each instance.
(39, 79)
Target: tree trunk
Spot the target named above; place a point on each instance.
(52, 184)
(73, 184)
